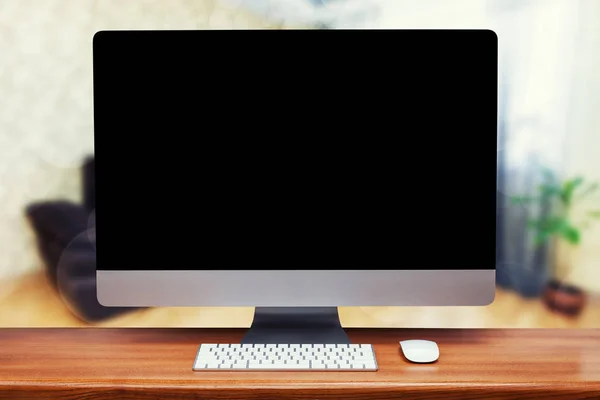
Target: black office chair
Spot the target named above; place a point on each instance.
(65, 233)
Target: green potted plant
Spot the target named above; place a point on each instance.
(561, 228)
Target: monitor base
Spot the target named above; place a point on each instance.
(296, 325)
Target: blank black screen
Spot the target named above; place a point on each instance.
(295, 150)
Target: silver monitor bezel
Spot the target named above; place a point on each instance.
(295, 288)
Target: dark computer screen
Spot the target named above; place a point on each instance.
(295, 150)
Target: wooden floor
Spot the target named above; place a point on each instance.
(29, 301)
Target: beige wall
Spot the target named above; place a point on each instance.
(583, 141)
(46, 95)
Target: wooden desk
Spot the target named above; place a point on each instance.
(157, 363)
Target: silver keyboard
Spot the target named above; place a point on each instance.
(285, 357)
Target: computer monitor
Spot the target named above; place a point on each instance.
(295, 171)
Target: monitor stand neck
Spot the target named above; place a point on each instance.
(296, 325)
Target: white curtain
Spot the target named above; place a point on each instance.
(536, 62)
(536, 78)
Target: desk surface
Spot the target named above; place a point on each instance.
(157, 363)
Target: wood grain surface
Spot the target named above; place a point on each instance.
(157, 363)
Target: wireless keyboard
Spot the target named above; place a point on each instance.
(285, 357)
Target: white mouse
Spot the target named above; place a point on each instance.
(420, 351)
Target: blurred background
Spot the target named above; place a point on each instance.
(548, 246)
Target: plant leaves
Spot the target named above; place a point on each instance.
(571, 234)
(548, 191)
(568, 189)
(547, 227)
(548, 175)
(588, 190)
(544, 228)
(563, 228)
(522, 199)
(541, 238)
(594, 214)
